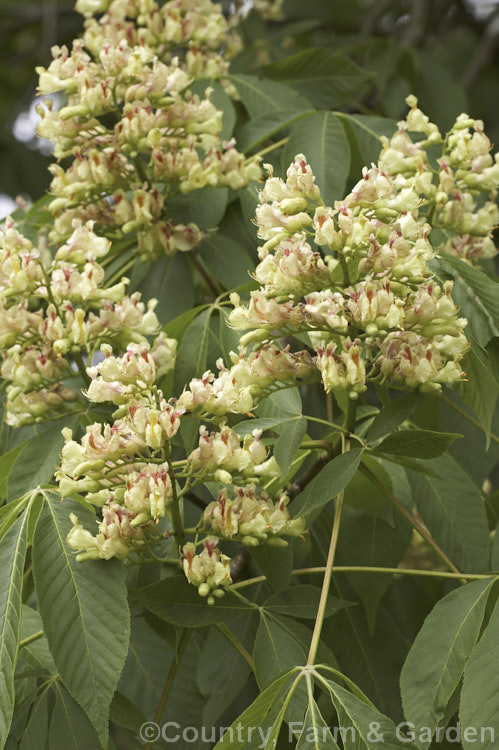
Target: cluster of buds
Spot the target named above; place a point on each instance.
(370, 305)
(460, 194)
(134, 131)
(253, 375)
(252, 517)
(55, 313)
(220, 455)
(122, 467)
(209, 570)
(115, 537)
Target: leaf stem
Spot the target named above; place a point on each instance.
(170, 678)
(81, 367)
(268, 149)
(368, 569)
(176, 518)
(229, 635)
(338, 505)
(314, 645)
(31, 638)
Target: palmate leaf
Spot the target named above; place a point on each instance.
(323, 140)
(369, 728)
(477, 296)
(176, 601)
(417, 443)
(326, 78)
(452, 508)
(272, 701)
(437, 658)
(12, 556)
(84, 611)
(333, 478)
(479, 707)
(315, 734)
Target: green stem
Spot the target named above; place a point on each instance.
(139, 166)
(176, 518)
(81, 367)
(119, 273)
(209, 281)
(314, 644)
(30, 639)
(422, 531)
(338, 505)
(368, 569)
(268, 149)
(229, 635)
(170, 678)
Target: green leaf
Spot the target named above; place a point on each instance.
(333, 478)
(177, 327)
(437, 657)
(370, 726)
(391, 416)
(478, 297)
(176, 601)
(276, 649)
(126, 714)
(69, 729)
(254, 716)
(302, 601)
(36, 653)
(480, 390)
(417, 443)
(452, 508)
(12, 556)
(288, 443)
(261, 128)
(363, 495)
(369, 541)
(276, 563)
(205, 207)
(222, 673)
(247, 426)
(325, 78)
(364, 133)
(36, 730)
(169, 280)
(262, 96)
(282, 403)
(193, 351)
(226, 260)
(84, 611)
(479, 708)
(315, 734)
(36, 463)
(322, 139)
(7, 461)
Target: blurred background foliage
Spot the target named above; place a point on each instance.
(445, 51)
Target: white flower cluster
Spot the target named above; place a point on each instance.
(55, 310)
(460, 193)
(209, 570)
(370, 307)
(122, 465)
(220, 455)
(238, 388)
(134, 131)
(252, 517)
